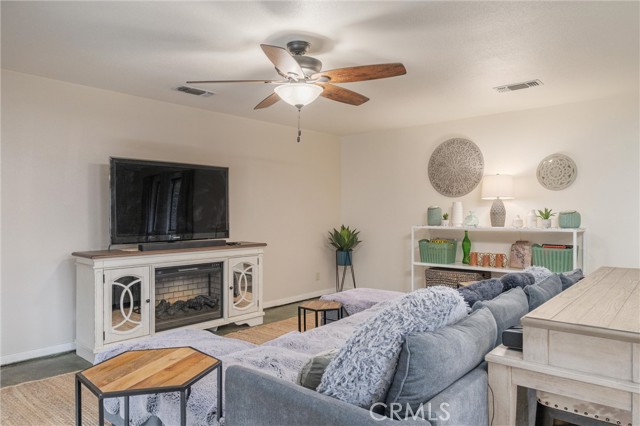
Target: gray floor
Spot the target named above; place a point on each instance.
(42, 368)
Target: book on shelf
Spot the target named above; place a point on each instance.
(557, 246)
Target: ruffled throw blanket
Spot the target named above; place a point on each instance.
(358, 299)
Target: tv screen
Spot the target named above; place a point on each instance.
(157, 201)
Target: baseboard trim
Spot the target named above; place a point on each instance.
(37, 353)
(299, 297)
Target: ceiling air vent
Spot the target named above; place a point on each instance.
(194, 91)
(518, 86)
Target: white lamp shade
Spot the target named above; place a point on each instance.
(497, 186)
(298, 94)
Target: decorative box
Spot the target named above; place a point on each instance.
(569, 219)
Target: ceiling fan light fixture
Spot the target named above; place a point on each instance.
(298, 94)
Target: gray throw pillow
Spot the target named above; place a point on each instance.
(570, 278)
(363, 370)
(311, 372)
(543, 291)
(507, 309)
(481, 290)
(517, 279)
(430, 362)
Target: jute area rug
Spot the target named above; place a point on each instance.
(52, 401)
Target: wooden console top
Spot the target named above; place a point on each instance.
(105, 254)
(605, 304)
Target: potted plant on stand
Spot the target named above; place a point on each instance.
(546, 217)
(344, 241)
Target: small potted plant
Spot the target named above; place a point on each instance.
(445, 219)
(545, 215)
(344, 241)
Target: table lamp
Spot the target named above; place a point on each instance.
(498, 188)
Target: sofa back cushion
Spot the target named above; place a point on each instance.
(362, 371)
(430, 362)
(507, 309)
(540, 293)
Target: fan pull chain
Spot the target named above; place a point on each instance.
(299, 131)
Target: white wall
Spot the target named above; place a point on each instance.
(386, 189)
(56, 143)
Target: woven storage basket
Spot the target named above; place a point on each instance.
(554, 259)
(452, 277)
(438, 252)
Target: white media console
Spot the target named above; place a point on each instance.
(123, 295)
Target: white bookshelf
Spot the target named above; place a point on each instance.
(503, 236)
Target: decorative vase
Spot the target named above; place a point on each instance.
(434, 216)
(445, 222)
(344, 257)
(569, 219)
(466, 248)
(532, 219)
(517, 222)
(457, 216)
(471, 219)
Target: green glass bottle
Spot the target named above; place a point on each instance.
(466, 248)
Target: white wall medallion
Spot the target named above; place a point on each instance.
(556, 172)
(456, 167)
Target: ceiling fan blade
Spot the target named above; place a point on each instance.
(362, 73)
(238, 81)
(340, 94)
(283, 61)
(268, 101)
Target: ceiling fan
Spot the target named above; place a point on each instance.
(303, 79)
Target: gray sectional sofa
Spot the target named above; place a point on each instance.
(439, 379)
(436, 377)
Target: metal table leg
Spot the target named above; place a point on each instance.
(126, 411)
(219, 391)
(183, 408)
(100, 411)
(78, 402)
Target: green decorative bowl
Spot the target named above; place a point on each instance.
(569, 219)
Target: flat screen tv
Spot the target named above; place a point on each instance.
(156, 201)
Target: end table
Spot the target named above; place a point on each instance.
(144, 372)
(317, 306)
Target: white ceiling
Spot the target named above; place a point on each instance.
(454, 52)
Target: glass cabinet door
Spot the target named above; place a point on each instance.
(243, 289)
(126, 304)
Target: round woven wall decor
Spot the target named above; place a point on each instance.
(456, 167)
(556, 172)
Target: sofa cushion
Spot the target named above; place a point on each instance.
(481, 290)
(507, 309)
(430, 362)
(312, 371)
(570, 278)
(362, 371)
(517, 279)
(538, 294)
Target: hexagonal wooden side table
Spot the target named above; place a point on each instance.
(144, 372)
(317, 306)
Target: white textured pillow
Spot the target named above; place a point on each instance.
(362, 371)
